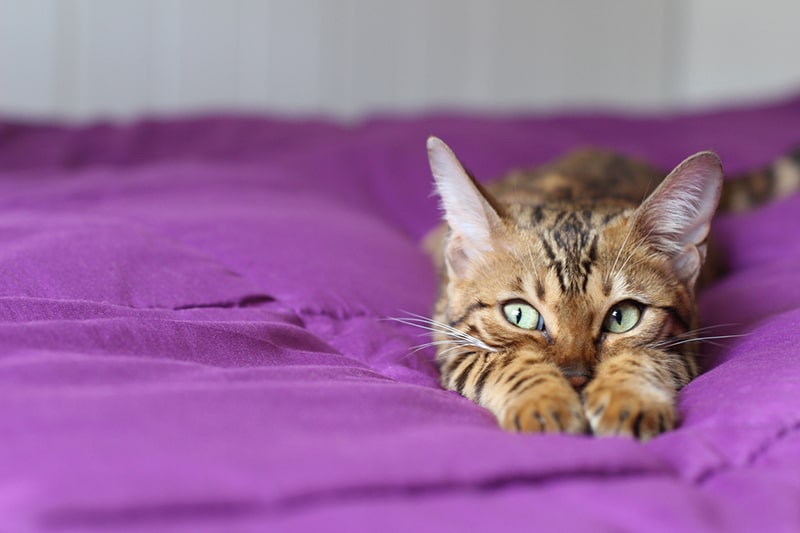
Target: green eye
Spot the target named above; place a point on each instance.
(523, 315)
(623, 317)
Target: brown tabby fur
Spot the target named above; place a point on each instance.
(568, 240)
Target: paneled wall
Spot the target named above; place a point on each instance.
(88, 58)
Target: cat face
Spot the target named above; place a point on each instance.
(567, 293)
(574, 284)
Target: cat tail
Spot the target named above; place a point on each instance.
(749, 190)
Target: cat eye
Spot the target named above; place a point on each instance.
(623, 317)
(523, 315)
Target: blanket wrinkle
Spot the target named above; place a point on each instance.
(25, 309)
(339, 313)
(499, 483)
(759, 452)
(230, 343)
(168, 513)
(253, 300)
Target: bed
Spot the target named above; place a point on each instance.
(195, 335)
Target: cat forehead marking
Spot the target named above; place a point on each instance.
(570, 241)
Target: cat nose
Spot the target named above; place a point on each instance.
(578, 381)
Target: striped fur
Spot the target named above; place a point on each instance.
(574, 240)
(777, 180)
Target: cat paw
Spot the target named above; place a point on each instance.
(551, 412)
(628, 411)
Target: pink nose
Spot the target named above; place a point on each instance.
(577, 382)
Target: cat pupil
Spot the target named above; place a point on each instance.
(616, 314)
(518, 318)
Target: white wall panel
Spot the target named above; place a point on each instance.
(113, 55)
(609, 53)
(293, 54)
(736, 49)
(166, 72)
(209, 52)
(28, 57)
(122, 58)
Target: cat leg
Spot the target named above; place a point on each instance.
(524, 393)
(634, 393)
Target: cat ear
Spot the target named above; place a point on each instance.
(676, 217)
(468, 210)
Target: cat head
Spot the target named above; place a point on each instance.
(573, 281)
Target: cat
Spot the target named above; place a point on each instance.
(567, 293)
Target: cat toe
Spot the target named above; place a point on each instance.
(628, 413)
(545, 414)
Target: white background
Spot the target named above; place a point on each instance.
(86, 59)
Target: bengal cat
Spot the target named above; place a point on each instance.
(567, 293)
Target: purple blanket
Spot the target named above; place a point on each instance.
(194, 337)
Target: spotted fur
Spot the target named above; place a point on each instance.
(575, 239)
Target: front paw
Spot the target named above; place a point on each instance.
(556, 410)
(628, 410)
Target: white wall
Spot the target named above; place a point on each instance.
(88, 58)
(738, 49)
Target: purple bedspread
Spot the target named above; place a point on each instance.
(193, 337)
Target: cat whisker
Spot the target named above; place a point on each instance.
(631, 225)
(430, 325)
(619, 252)
(533, 264)
(439, 343)
(639, 244)
(693, 332)
(452, 349)
(672, 344)
(632, 264)
(434, 326)
(420, 347)
(717, 344)
(416, 349)
(716, 326)
(456, 346)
